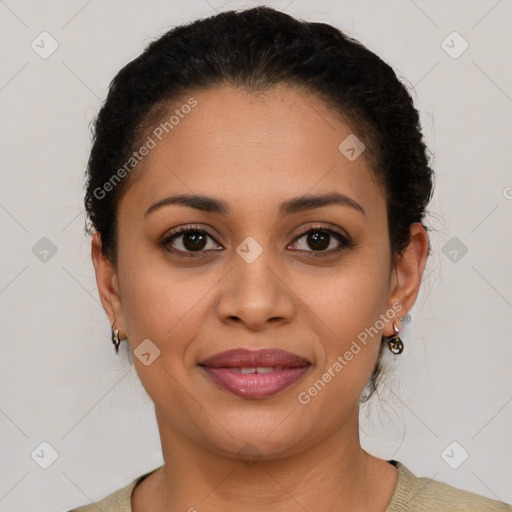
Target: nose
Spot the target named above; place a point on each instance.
(256, 294)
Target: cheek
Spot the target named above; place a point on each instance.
(346, 310)
(163, 304)
(151, 303)
(349, 300)
(159, 306)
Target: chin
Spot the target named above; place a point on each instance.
(266, 439)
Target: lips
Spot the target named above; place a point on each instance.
(255, 374)
(242, 358)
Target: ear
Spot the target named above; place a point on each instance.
(408, 273)
(108, 285)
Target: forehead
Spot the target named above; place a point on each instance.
(252, 147)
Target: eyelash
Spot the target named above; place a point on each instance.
(183, 230)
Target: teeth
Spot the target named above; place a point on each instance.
(259, 369)
(265, 369)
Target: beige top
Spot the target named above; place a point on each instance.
(411, 494)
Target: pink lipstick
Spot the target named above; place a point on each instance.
(255, 374)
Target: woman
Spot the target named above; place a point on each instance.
(256, 189)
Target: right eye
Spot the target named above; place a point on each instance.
(187, 240)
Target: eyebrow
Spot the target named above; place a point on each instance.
(294, 205)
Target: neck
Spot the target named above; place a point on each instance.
(333, 474)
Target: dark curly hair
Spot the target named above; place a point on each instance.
(257, 49)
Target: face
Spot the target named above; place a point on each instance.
(260, 268)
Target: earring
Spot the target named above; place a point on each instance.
(395, 344)
(115, 338)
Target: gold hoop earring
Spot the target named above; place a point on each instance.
(115, 338)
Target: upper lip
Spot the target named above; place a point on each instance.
(244, 358)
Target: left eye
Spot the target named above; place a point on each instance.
(192, 240)
(321, 239)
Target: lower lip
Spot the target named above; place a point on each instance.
(255, 385)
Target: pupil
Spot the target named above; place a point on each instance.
(196, 239)
(318, 238)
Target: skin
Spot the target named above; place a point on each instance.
(255, 152)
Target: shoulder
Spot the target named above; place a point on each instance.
(421, 494)
(118, 501)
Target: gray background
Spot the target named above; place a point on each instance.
(61, 382)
